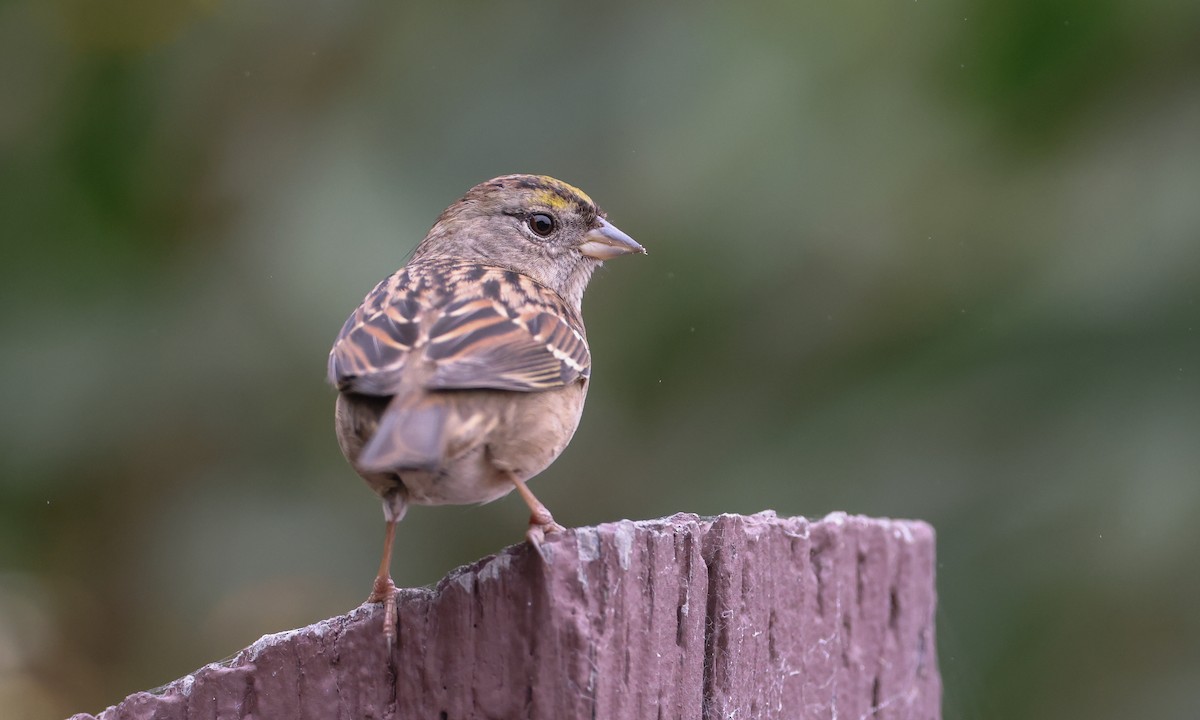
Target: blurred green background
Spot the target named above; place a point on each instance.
(935, 259)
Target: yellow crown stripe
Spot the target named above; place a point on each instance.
(558, 194)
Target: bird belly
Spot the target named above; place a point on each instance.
(492, 435)
(533, 432)
(466, 481)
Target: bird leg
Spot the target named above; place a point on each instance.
(385, 590)
(540, 519)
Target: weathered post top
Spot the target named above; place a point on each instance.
(684, 617)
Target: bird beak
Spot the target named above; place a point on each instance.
(607, 242)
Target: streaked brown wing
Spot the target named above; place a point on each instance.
(482, 328)
(371, 350)
(484, 343)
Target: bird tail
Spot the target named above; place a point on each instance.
(410, 436)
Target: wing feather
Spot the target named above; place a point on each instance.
(478, 327)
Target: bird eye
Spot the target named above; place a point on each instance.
(541, 224)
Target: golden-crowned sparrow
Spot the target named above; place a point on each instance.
(463, 375)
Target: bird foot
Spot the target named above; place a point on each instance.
(540, 519)
(385, 592)
(538, 528)
(384, 588)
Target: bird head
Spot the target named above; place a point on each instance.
(533, 224)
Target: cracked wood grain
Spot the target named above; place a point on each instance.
(683, 617)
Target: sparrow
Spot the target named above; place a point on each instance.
(463, 374)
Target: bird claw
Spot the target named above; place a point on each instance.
(385, 592)
(384, 588)
(536, 534)
(389, 622)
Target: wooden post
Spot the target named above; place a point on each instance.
(684, 617)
